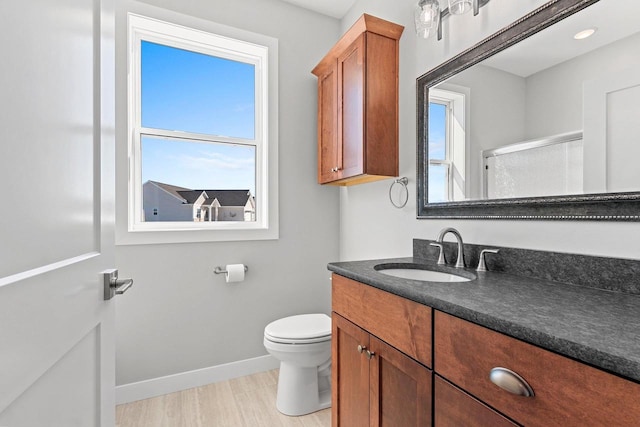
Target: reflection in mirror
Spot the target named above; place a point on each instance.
(448, 142)
(549, 116)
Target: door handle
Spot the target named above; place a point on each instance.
(114, 286)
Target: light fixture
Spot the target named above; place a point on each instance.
(585, 33)
(458, 7)
(429, 17)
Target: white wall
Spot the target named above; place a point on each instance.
(179, 316)
(372, 228)
(554, 95)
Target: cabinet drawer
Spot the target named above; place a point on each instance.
(454, 408)
(404, 324)
(567, 392)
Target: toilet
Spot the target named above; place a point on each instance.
(302, 344)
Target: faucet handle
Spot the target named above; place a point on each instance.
(441, 260)
(482, 266)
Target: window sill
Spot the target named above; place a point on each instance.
(195, 235)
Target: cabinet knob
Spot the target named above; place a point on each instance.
(370, 354)
(509, 381)
(361, 349)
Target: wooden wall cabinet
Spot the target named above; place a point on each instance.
(358, 104)
(374, 383)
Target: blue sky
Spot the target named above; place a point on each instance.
(193, 92)
(437, 134)
(198, 166)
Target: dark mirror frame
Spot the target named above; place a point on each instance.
(604, 206)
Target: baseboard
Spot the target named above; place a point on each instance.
(171, 383)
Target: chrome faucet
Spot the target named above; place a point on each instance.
(456, 233)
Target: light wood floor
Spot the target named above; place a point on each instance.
(246, 401)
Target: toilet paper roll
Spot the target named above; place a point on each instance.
(235, 273)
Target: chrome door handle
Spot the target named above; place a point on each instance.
(122, 285)
(114, 286)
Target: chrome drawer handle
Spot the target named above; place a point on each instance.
(509, 381)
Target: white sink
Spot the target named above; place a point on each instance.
(423, 275)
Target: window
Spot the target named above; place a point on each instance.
(447, 146)
(439, 152)
(201, 133)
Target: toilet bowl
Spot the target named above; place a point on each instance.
(302, 344)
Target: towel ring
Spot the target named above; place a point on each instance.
(402, 181)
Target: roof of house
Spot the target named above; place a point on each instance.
(224, 197)
(171, 189)
(190, 196)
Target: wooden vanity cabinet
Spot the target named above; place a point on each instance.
(358, 104)
(374, 382)
(455, 408)
(566, 392)
(400, 384)
(377, 385)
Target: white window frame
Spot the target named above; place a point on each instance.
(456, 101)
(446, 161)
(227, 43)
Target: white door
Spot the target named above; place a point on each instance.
(56, 213)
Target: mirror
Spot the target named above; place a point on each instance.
(534, 124)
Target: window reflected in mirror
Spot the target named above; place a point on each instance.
(439, 162)
(447, 144)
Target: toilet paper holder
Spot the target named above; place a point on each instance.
(220, 270)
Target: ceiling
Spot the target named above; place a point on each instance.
(334, 8)
(614, 19)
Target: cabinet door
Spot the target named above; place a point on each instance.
(454, 408)
(351, 109)
(328, 125)
(349, 374)
(400, 388)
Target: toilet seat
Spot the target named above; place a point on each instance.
(300, 329)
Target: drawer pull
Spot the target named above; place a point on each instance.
(509, 381)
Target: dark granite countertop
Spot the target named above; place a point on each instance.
(595, 326)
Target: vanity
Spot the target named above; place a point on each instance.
(501, 349)
(534, 338)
